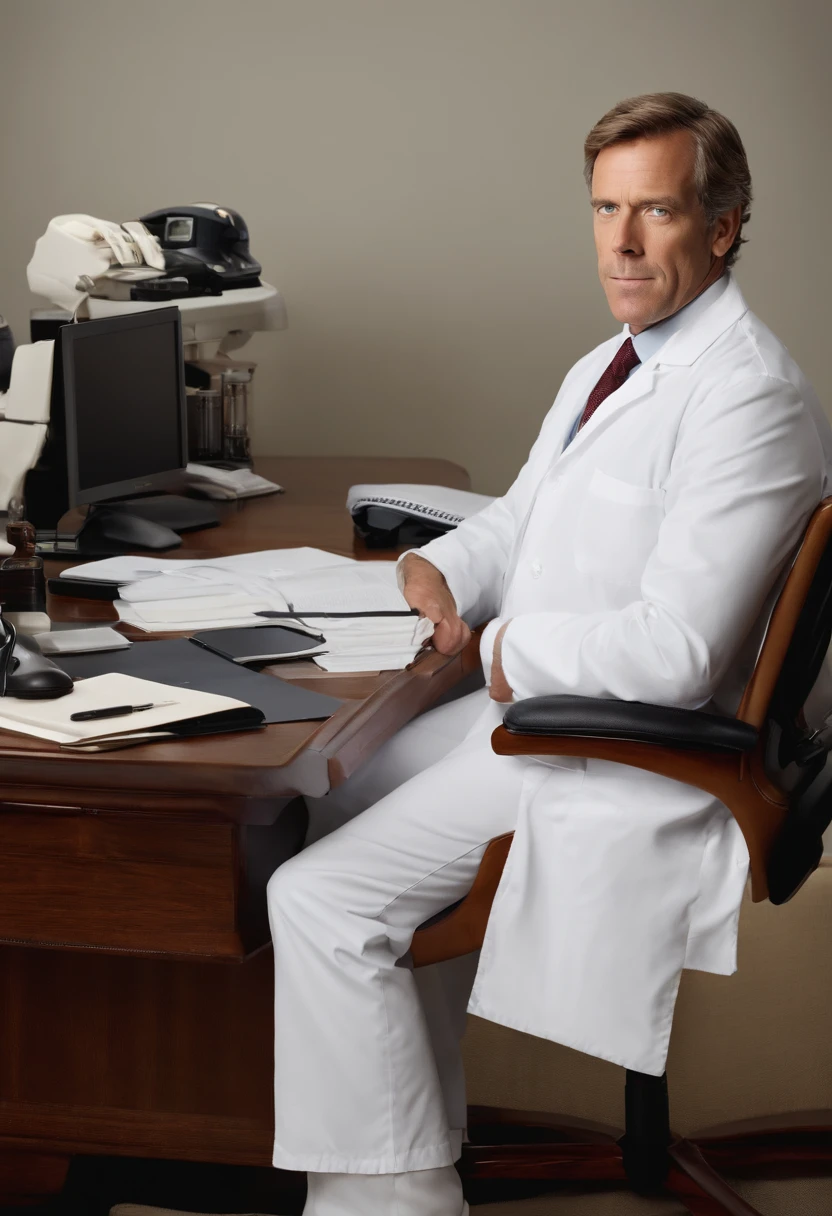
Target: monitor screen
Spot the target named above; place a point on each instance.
(124, 395)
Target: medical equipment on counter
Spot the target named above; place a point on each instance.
(91, 268)
(195, 256)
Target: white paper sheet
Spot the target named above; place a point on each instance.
(265, 562)
(229, 483)
(126, 569)
(365, 587)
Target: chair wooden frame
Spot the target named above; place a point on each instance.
(564, 1150)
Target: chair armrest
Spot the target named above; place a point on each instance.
(629, 721)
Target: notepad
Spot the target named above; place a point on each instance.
(192, 713)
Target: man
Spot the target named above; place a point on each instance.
(635, 556)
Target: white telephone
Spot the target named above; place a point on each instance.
(390, 515)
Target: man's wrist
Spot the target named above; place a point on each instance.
(410, 560)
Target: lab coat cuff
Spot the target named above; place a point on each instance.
(524, 655)
(487, 640)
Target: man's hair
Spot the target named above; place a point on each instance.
(720, 169)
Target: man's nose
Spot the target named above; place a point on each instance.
(626, 238)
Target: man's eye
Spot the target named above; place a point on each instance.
(661, 212)
(606, 208)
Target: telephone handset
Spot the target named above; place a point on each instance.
(24, 671)
(389, 516)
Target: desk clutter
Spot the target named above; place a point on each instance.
(169, 689)
(115, 710)
(354, 613)
(178, 664)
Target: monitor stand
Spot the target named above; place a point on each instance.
(112, 529)
(172, 511)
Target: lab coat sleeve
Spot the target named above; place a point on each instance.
(746, 473)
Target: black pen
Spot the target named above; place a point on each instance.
(115, 711)
(337, 615)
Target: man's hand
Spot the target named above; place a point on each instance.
(425, 590)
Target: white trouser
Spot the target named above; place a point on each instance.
(368, 1080)
(420, 1193)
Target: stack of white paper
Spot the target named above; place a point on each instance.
(357, 606)
(223, 611)
(372, 643)
(228, 483)
(178, 596)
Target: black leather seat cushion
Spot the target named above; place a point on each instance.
(631, 721)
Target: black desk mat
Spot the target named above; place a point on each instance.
(179, 662)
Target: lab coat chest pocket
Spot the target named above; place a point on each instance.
(616, 529)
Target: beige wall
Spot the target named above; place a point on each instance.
(411, 173)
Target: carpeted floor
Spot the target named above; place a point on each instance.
(793, 1197)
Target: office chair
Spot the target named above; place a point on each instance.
(782, 823)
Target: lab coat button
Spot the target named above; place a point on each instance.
(536, 569)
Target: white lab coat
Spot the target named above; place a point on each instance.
(640, 564)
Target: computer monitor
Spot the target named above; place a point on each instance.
(125, 405)
(125, 416)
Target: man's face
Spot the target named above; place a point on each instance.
(655, 251)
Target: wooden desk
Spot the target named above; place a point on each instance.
(127, 877)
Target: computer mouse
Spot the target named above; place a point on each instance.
(32, 675)
(124, 532)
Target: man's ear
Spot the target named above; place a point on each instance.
(726, 227)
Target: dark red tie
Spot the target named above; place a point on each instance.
(615, 375)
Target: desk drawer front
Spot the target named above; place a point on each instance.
(118, 882)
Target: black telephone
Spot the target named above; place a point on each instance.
(24, 671)
(384, 527)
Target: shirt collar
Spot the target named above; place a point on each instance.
(650, 341)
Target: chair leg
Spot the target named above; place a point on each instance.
(700, 1187)
(645, 1143)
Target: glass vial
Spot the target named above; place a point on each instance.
(236, 402)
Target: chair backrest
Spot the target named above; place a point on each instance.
(798, 634)
(787, 667)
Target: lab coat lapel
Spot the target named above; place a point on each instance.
(639, 386)
(681, 350)
(686, 346)
(572, 402)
